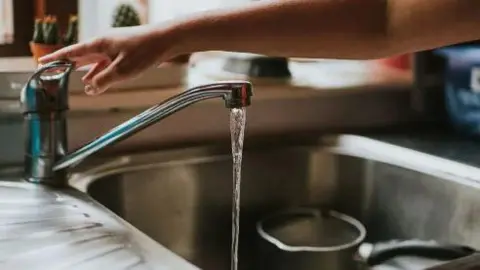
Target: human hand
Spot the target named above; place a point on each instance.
(121, 55)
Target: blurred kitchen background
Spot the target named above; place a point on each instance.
(322, 95)
(415, 118)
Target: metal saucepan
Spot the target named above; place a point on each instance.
(308, 238)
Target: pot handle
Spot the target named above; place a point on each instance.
(379, 253)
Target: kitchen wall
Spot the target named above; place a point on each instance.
(96, 16)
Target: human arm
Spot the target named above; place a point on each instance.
(333, 28)
(347, 29)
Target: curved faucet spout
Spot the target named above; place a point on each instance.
(45, 102)
(235, 94)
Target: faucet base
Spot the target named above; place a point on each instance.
(38, 170)
(47, 181)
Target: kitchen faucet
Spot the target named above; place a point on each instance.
(44, 101)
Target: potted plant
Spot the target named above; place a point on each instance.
(71, 36)
(47, 38)
(125, 15)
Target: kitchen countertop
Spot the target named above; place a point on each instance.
(47, 228)
(17, 64)
(15, 71)
(309, 79)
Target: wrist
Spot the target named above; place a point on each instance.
(185, 36)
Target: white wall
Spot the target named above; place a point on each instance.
(161, 10)
(87, 18)
(96, 15)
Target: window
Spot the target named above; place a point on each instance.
(15, 27)
(6, 24)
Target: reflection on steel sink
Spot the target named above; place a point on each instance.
(182, 198)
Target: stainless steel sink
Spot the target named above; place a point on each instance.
(182, 198)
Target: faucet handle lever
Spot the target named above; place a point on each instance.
(47, 89)
(60, 68)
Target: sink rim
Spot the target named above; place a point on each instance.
(403, 157)
(344, 145)
(97, 168)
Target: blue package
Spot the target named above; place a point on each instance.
(462, 87)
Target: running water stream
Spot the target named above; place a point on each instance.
(237, 130)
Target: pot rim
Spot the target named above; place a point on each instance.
(362, 232)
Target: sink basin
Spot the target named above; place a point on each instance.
(182, 198)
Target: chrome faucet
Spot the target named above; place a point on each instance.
(44, 100)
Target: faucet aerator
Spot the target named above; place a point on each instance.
(239, 96)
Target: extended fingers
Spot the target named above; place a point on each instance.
(121, 68)
(103, 79)
(76, 51)
(95, 70)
